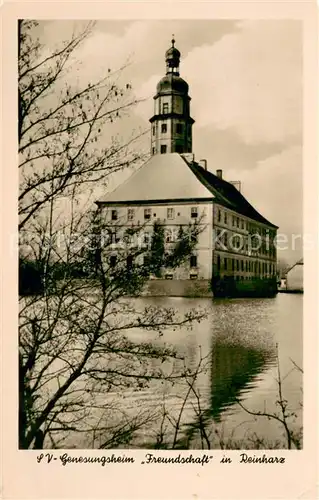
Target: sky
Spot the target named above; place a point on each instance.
(245, 79)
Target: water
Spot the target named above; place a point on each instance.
(239, 340)
(237, 345)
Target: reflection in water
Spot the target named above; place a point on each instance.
(238, 342)
(234, 368)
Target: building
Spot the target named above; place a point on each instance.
(294, 278)
(235, 251)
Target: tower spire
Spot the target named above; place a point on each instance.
(172, 123)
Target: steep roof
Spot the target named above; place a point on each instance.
(172, 177)
(162, 177)
(227, 194)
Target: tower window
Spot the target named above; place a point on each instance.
(163, 148)
(179, 128)
(165, 108)
(164, 128)
(153, 129)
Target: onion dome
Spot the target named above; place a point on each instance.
(172, 56)
(172, 82)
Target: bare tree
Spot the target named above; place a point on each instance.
(62, 122)
(76, 355)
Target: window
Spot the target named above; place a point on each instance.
(193, 261)
(169, 236)
(225, 218)
(113, 261)
(218, 262)
(165, 108)
(225, 264)
(164, 128)
(234, 220)
(246, 266)
(153, 151)
(114, 215)
(233, 265)
(193, 276)
(114, 238)
(170, 213)
(129, 262)
(179, 128)
(147, 213)
(225, 239)
(154, 129)
(243, 224)
(237, 221)
(168, 276)
(242, 265)
(237, 265)
(130, 213)
(194, 212)
(163, 149)
(219, 215)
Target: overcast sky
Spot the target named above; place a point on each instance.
(245, 80)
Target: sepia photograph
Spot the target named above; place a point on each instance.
(161, 234)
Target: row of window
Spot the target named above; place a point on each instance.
(224, 217)
(170, 213)
(238, 222)
(129, 261)
(247, 266)
(245, 243)
(178, 128)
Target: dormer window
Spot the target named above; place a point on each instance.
(165, 108)
(164, 128)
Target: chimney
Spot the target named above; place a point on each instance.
(203, 163)
(219, 174)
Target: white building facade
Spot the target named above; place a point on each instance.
(235, 246)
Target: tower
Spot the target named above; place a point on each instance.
(171, 122)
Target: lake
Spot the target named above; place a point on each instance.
(239, 341)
